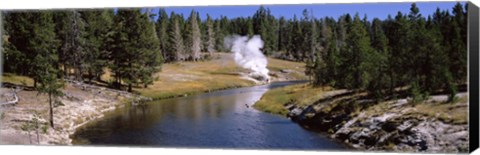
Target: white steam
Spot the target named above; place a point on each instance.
(247, 54)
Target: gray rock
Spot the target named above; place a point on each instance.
(286, 71)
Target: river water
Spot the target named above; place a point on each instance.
(219, 119)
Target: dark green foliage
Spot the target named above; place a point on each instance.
(265, 24)
(209, 36)
(136, 54)
(425, 55)
(20, 55)
(359, 53)
(163, 36)
(176, 50)
(70, 29)
(379, 60)
(407, 50)
(31, 49)
(193, 40)
(99, 32)
(44, 43)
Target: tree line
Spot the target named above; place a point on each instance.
(80, 44)
(426, 54)
(50, 46)
(348, 52)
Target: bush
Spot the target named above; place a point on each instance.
(417, 94)
(34, 125)
(452, 91)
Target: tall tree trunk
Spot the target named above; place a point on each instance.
(51, 109)
(29, 136)
(129, 87)
(38, 136)
(34, 83)
(65, 70)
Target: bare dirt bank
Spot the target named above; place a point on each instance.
(79, 105)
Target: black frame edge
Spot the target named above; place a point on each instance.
(473, 49)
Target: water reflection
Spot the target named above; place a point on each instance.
(213, 120)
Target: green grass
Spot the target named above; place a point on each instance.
(302, 94)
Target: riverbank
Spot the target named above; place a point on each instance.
(393, 125)
(187, 78)
(80, 104)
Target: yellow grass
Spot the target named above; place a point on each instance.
(303, 94)
(447, 112)
(16, 79)
(186, 78)
(276, 65)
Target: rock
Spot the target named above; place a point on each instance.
(383, 139)
(342, 135)
(405, 126)
(364, 137)
(294, 113)
(290, 106)
(286, 70)
(390, 126)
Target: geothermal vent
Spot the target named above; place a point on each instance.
(247, 54)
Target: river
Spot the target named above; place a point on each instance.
(221, 119)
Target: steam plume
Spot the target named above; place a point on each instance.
(247, 54)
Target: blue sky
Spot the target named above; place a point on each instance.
(372, 10)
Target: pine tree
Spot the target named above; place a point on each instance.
(296, 40)
(379, 60)
(194, 37)
(342, 30)
(282, 34)
(399, 41)
(249, 27)
(77, 44)
(20, 54)
(221, 31)
(210, 36)
(176, 39)
(329, 43)
(98, 34)
(219, 36)
(163, 36)
(458, 53)
(11, 56)
(45, 45)
(359, 51)
(264, 25)
(71, 31)
(271, 40)
(136, 53)
(63, 20)
(151, 53)
(309, 40)
(418, 55)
